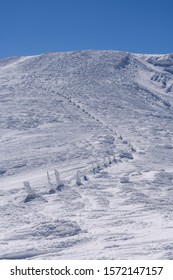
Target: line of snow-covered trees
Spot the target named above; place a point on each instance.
(81, 175)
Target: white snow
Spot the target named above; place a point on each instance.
(98, 123)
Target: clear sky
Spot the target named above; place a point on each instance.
(29, 27)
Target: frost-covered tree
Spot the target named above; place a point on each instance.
(104, 162)
(109, 159)
(98, 165)
(93, 168)
(78, 180)
(59, 183)
(49, 180)
(114, 159)
(57, 176)
(51, 186)
(30, 192)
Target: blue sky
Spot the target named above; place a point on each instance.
(29, 27)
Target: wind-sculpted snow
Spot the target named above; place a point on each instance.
(161, 60)
(86, 156)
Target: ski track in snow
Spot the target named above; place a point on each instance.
(67, 112)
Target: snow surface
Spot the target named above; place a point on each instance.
(86, 156)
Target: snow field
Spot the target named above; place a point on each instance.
(100, 124)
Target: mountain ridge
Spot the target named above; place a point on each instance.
(105, 116)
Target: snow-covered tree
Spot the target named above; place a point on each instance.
(93, 168)
(78, 180)
(30, 192)
(98, 165)
(59, 183)
(114, 159)
(109, 159)
(104, 162)
(51, 186)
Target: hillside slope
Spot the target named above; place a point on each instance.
(107, 115)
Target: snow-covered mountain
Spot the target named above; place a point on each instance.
(99, 126)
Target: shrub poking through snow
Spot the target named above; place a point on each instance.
(78, 180)
(59, 183)
(30, 192)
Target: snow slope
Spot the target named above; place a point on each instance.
(103, 120)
